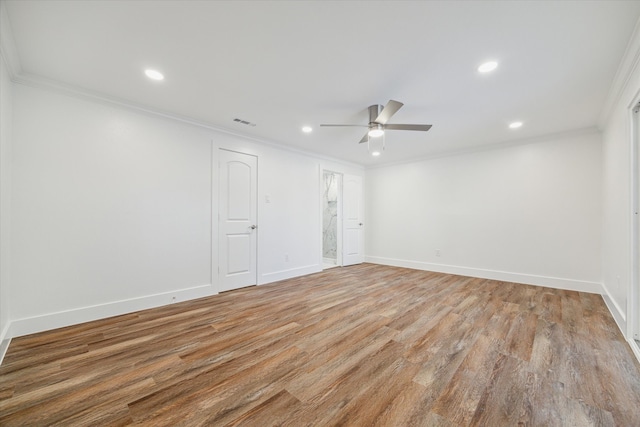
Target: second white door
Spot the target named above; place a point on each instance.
(352, 224)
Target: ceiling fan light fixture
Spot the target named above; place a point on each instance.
(378, 118)
(376, 132)
(375, 145)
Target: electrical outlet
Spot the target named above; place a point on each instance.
(286, 257)
(438, 252)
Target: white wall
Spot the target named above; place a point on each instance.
(288, 223)
(6, 105)
(617, 205)
(525, 213)
(617, 178)
(114, 210)
(107, 205)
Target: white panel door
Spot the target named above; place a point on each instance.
(352, 224)
(237, 220)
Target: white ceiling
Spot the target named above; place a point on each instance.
(285, 64)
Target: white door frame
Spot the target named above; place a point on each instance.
(633, 300)
(338, 218)
(341, 214)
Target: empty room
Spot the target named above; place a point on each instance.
(319, 213)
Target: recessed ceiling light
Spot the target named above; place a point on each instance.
(515, 125)
(307, 129)
(154, 74)
(488, 66)
(375, 153)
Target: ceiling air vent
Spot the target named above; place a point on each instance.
(244, 122)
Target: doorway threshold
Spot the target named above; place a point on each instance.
(328, 265)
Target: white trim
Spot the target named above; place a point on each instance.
(290, 273)
(496, 146)
(4, 346)
(339, 218)
(632, 326)
(634, 347)
(5, 340)
(505, 276)
(39, 82)
(9, 56)
(620, 320)
(215, 215)
(625, 71)
(75, 316)
(616, 311)
(4, 335)
(621, 323)
(321, 213)
(8, 49)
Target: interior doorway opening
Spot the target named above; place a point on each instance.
(331, 219)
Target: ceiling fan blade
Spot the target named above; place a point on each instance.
(365, 138)
(389, 110)
(359, 126)
(408, 127)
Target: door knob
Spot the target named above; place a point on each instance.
(361, 224)
(253, 227)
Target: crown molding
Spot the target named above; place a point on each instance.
(39, 82)
(9, 53)
(8, 50)
(626, 69)
(592, 130)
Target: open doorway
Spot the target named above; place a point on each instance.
(331, 219)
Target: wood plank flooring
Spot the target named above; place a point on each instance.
(366, 345)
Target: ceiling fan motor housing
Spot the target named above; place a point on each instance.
(374, 112)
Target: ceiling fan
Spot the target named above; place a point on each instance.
(378, 118)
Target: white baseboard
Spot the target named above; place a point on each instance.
(4, 341)
(618, 314)
(288, 274)
(527, 279)
(45, 322)
(4, 334)
(634, 347)
(4, 346)
(61, 319)
(621, 320)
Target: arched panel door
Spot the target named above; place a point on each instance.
(237, 220)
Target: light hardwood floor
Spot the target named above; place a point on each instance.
(366, 345)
